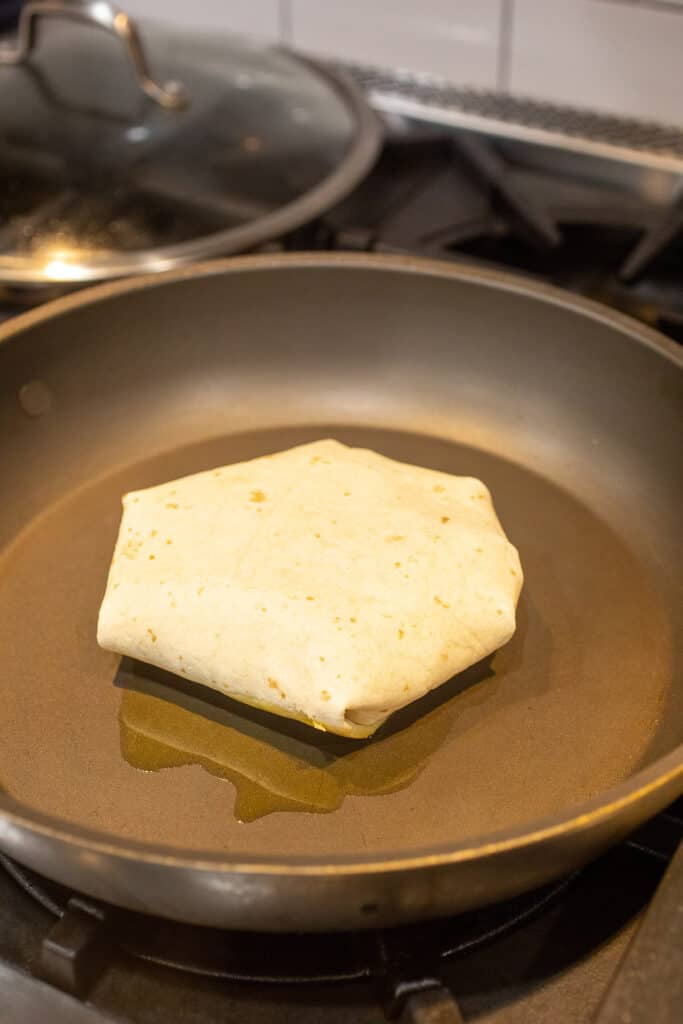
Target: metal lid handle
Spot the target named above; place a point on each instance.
(171, 95)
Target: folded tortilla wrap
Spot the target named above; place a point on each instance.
(324, 583)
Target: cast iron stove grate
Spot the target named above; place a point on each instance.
(457, 197)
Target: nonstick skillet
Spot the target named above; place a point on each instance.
(515, 772)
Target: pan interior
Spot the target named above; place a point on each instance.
(570, 706)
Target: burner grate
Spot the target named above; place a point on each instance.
(456, 196)
(264, 958)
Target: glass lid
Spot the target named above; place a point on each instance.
(125, 150)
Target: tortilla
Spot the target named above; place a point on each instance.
(324, 583)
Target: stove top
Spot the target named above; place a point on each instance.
(558, 954)
(551, 954)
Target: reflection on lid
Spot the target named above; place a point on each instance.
(275, 764)
(62, 265)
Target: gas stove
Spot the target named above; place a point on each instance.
(578, 951)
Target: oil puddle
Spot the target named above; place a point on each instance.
(276, 764)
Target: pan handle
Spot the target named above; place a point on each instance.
(100, 13)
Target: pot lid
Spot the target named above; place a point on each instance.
(129, 150)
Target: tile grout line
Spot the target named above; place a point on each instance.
(505, 30)
(285, 22)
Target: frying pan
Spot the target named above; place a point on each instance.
(116, 781)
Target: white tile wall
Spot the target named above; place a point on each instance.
(622, 56)
(458, 39)
(255, 17)
(625, 57)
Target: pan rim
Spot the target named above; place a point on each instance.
(662, 774)
(584, 817)
(488, 277)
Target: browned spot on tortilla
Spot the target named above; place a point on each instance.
(443, 604)
(169, 541)
(309, 598)
(479, 551)
(512, 572)
(438, 489)
(274, 685)
(499, 611)
(347, 493)
(171, 504)
(317, 535)
(406, 688)
(444, 655)
(325, 695)
(152, 533)
(401, 633)
(151, 557)
(257, 496)
(395, 537)
(153, 635)
(321, 658)
(445, 519)
(352, 619)
(200, 591)
(397, 565)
